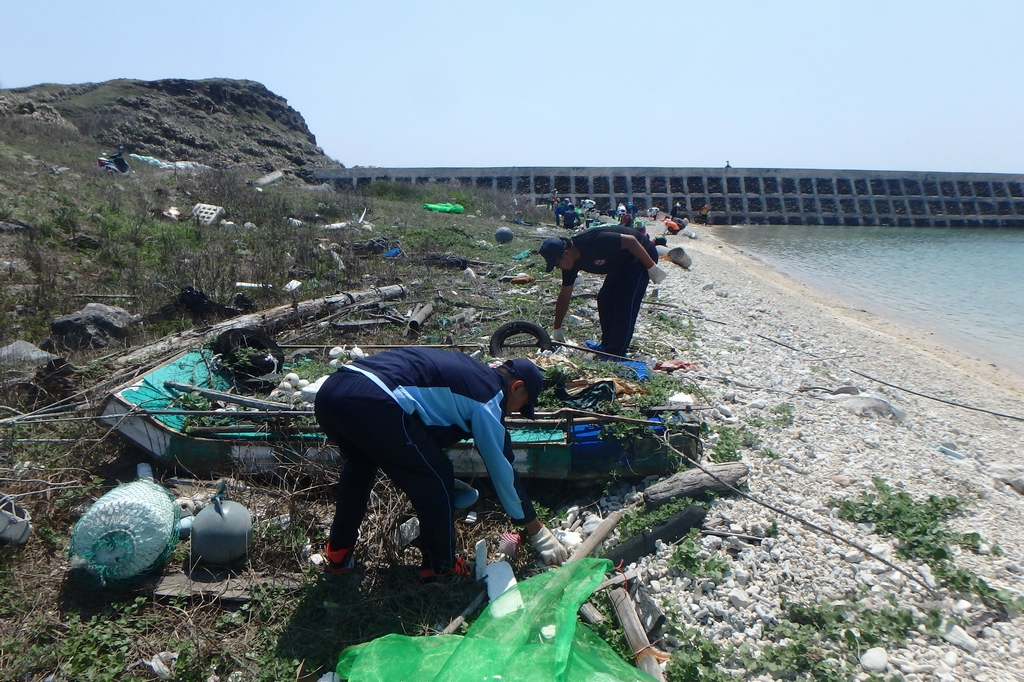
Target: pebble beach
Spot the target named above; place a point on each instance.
(909, 422)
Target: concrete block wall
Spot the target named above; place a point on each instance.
(746, 196)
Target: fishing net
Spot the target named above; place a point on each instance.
(126, 533)
(530, 632)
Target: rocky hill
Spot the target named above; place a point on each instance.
(217, 122)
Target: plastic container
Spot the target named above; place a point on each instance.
(15, 526)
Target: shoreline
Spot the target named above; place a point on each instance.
(939, 346)
(923, 420)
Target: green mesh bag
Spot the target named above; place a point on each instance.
(530, 633)
(125, 534)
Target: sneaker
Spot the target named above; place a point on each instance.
(457, 573)
(339, 561)
(594, 345)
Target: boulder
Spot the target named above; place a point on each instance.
(94, 326)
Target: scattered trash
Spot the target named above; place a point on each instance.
(207, 214)
(269, 178)
(681, 399)
(293, 285)
(170, 165)
(500, 580)
(15, 522)
(23, 355)
(126, 533)
(674, 364)
(522, 279)
(392, 253)
(521, 255)
(408, 531)
(952, 454)
(163, 664)
(517, 221)
(173, 213)
(252, 285)
(294, 222)
(680, 257)
(469, 273)
(508, 544)
(222, 531)
(503, 235)
(444, 208)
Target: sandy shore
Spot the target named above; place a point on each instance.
(778, 341)
(942, 348)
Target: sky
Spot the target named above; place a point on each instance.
(857, 84)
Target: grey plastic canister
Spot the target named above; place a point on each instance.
(221, 532)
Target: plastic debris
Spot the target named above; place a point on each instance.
(293, 285)
(126, 533)
(521, 255)
(392, 253)
(222, 531)
(207, 214)
(15, 522)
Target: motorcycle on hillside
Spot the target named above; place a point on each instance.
(114, 163)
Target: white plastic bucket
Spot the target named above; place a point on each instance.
(15, 526)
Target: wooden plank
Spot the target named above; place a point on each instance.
(219, 583)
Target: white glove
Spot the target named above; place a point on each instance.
(558, 335)
(657, 274)
(549, 548)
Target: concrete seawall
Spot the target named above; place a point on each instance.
(745, 196)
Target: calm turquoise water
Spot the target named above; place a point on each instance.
(965, 285)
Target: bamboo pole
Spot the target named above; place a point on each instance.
(635, 635)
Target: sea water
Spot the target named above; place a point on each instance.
(965, 285)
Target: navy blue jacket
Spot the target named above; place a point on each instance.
(455, 397)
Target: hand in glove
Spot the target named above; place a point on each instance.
(558, 335)
(549, 548)
(656, 274)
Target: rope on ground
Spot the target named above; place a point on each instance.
(901, 388)
(810, 525)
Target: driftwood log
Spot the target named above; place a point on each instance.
(270, 321)
(693, 482)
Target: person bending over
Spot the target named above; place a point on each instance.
(626, 258)
(396, 412)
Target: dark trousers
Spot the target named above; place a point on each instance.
(618, 303)
(374, 433)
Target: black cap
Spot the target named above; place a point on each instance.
(527, 372)
(552, 250)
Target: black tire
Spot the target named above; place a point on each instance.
(510, 330)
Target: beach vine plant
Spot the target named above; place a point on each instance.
(923, 534)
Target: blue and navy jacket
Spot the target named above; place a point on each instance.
(455, 397)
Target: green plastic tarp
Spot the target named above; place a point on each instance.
(444, 208)
(529, 633)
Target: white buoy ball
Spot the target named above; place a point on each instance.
(337, 352)
(292, 379)
(503, 235)
(333, 364)
(302, 383)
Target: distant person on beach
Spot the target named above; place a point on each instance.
(626, 258)
(677, 209)
(560, 209)
(704, 212)
(570, 219)
(652, 213)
